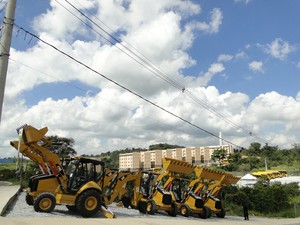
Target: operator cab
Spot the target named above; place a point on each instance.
(82, 170)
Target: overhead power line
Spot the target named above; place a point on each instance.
(146, 63)
(123, 87)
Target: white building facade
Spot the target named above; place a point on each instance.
(153, 158)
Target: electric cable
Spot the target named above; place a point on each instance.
(123, 87)
(145, 62)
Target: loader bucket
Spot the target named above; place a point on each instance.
(230, 179)
(177, 166)
(31, 134)
(210, 174)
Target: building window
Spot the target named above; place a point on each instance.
(202, 158)
(174, 154)
(152, 165)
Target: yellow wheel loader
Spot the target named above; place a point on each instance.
(211, 199)
(186, 192)
(197, 195)
(150, 196)
(78, 186)
(146, 193)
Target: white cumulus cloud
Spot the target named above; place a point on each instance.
(112, 118)
(256, 66)
(279, 49)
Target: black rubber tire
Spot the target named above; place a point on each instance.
(174, 210)
(221, 214)
(185, 210)
(151, 207)
(88, 203)
(141, 206)
(29, 199)
(206, 212)
(126, 201)
(44, 202)
(71, 208)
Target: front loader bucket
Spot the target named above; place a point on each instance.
(230, 179)
(177, 166)
(31, 134)
(210, 174)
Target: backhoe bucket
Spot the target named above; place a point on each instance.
(15, 144)
(107, 213)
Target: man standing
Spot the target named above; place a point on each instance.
(245, 209)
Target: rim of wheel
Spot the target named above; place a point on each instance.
(91, 203)
(45, 204)
(149, 207)
(183, 210)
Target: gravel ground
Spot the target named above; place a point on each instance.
(19, 213)
(19, 208)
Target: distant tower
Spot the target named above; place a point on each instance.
(220, 139)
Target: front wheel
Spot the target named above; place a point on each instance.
(174, 210)
(126, 201)
(185, 210)
(206, 212)
(29, 199)
(151, 207)
(44, 202)
(88, 203)
(221, 214)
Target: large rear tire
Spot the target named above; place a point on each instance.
(88, 203)
(44, 202)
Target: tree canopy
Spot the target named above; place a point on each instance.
(62, 146)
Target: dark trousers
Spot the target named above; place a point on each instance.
(246, 215)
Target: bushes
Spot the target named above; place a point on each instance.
(264, 198)
(7, 174)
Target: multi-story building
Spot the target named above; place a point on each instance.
(152, 159)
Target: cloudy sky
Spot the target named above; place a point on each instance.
(131, 73)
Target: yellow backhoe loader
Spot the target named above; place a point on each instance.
(211, 199)
(79, 186)
(148, 194)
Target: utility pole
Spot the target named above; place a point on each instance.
(7, 29)
(266, 164)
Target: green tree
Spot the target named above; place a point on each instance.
(164, 146)
(62, 146)
(254, 148)
(219, 155)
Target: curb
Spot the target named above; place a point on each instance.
(10, 201)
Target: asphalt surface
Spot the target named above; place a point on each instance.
(19, 213)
